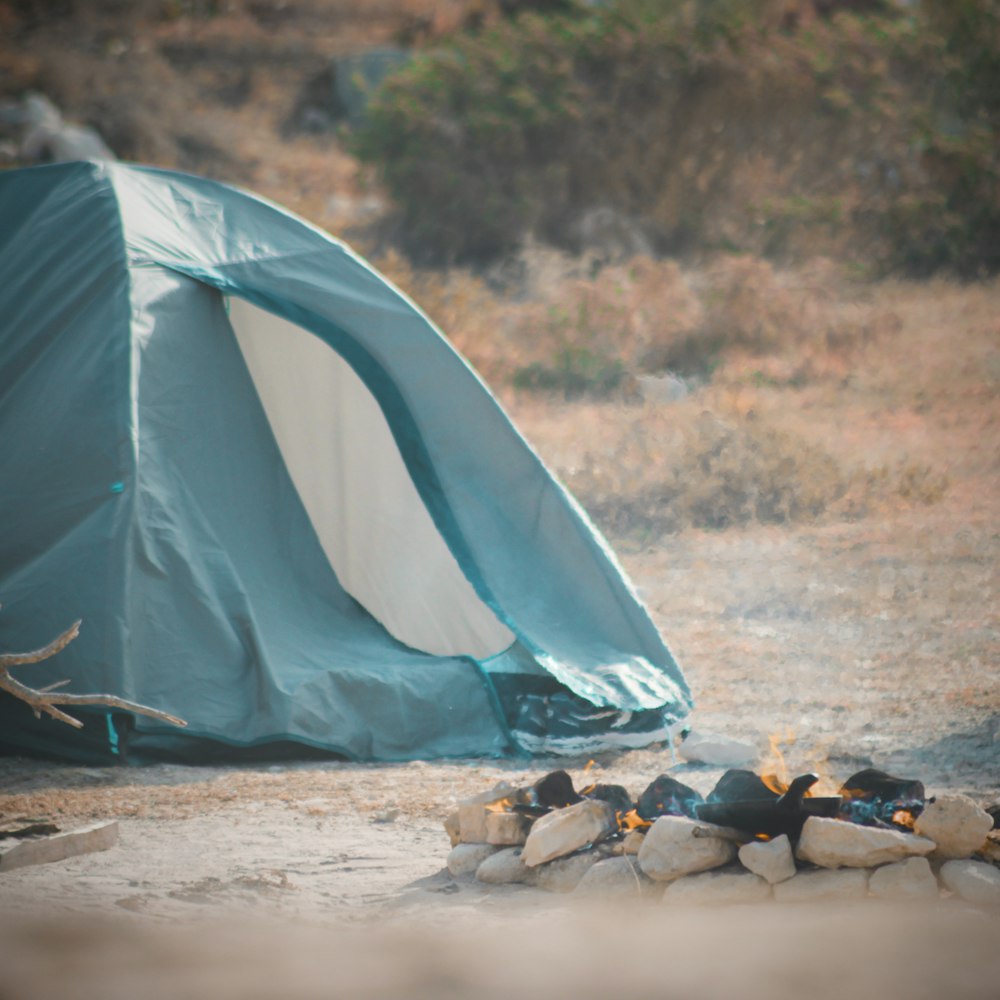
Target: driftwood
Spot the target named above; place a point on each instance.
(45, 699)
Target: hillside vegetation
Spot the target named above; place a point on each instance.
(868, 130)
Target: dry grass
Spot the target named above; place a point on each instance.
(817, 396)
(877, 398)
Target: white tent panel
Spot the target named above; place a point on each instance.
(347, 468)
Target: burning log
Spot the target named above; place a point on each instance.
(616, 796)
(666, 796)
(874, 798)
(555, 791)
(763, 812)
(737, 785)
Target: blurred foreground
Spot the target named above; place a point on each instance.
(869, 952)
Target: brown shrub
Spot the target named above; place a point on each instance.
(648, 316)
(652, 470)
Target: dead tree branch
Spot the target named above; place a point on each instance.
(44, 700)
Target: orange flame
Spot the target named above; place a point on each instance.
(501, 805)
(632, 821)
(828, 785)
(774, 771)
(903, 817)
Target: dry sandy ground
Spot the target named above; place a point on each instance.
(871, 643)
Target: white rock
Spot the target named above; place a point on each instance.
(665, 388)
(464, 859)
(504, 868)
(564, 831)
(722, 751)
(472, 823)
(904, 880)
(564, 874)
(956, 824)
(615, 877)
(835, 843)
(453, 827)
(807, 887)
(770, 859)
(718, 888)
(472, 812)
(633, 841)
(974, 881)
(671, 849)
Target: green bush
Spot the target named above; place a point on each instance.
(952, 219)
(723, 124)
(515, 129)
(573, 372)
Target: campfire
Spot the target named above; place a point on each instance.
(752, 837)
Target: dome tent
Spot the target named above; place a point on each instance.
(283, 506)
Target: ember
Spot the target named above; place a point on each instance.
(874, 798)
(667, 796)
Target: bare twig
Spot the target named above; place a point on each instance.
(44, 700)
(721, 833)
(57, 644)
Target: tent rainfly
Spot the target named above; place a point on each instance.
(282, 504)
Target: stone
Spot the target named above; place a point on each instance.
(990, 851)
(664, 388)
(50, 138)
(615, 877)
(718, 888)
(507, 829)
(835, 843)
(633, 841)
(825, 886)
(771, 859)
(465, 859)
(564, 831)
(911, 879)
(564, 874)
(453, 827)
(973, 881)
(956, 825)
(671, 849)
(472, 822)
(721, 751)
(58, 846)
(504, 868)
(473, 812)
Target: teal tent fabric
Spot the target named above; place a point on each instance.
(144, 492)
